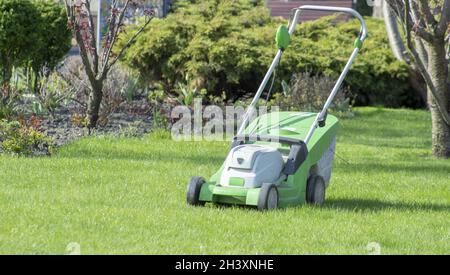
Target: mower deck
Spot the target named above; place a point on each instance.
(283, 124)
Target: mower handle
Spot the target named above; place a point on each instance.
(298, 11)
(321, 117)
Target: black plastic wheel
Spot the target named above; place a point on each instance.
(315, 190)
(268, 197)
(193, 192)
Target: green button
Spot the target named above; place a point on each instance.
(236, 182)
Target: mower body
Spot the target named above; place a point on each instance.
(240, 184)
(279, 159)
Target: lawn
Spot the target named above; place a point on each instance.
(126, 196)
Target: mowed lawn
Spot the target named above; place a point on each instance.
(122, 196)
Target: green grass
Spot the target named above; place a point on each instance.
(128, 196)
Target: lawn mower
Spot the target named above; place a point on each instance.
(280, 159)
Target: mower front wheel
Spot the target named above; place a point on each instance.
(268, 197)
(193, 192)
(315, 190)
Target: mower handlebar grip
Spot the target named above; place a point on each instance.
(354, 13)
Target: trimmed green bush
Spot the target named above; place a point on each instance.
(18, 35)
(32, 33)
(228, 46)
(363, 8)
(54, 36)
(376, 77)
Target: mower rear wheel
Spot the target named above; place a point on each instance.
(315, 190)
(193, 192)
(268, 197)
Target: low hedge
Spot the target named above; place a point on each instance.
(227, 46)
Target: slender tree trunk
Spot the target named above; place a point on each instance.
(395, 39)
(378, 8)
(95, 99)
(438, 70)
(5, 85)
(36, 86)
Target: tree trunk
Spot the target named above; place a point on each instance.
(378, 8)
(95, 99)
(438, 70)
(395, 39)
(5, 85)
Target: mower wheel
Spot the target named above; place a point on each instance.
(268, 197)
(193, 192)
(315, 190)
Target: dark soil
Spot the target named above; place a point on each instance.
(130, 119)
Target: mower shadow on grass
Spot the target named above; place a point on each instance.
(431, 167)
(358, 205)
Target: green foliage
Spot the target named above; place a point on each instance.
(54, 35)
(157, 95)
(324, 46)
(187, 92)
(131, 130)
(160, 121)
(53, 93)
(228, 46)
(219, 43)
(33, 38)
(17, 139)
(363, 8)
(8, 108)
(18, 35)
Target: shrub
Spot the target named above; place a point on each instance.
(309, 93)
(54, 38)
(228, 46)
(53, 93)
(220, 44)
(33, 39)
(18, 20)
(324, 46)
(17, 139)
(363, 8)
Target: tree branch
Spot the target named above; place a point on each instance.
(76, 31)
(113, 38)
(111, 30)
(425, 35)
(426, 11)
(445, 18)
(423, 70)
(128, 44)
(93, 43)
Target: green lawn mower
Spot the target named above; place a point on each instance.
(280, 159)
